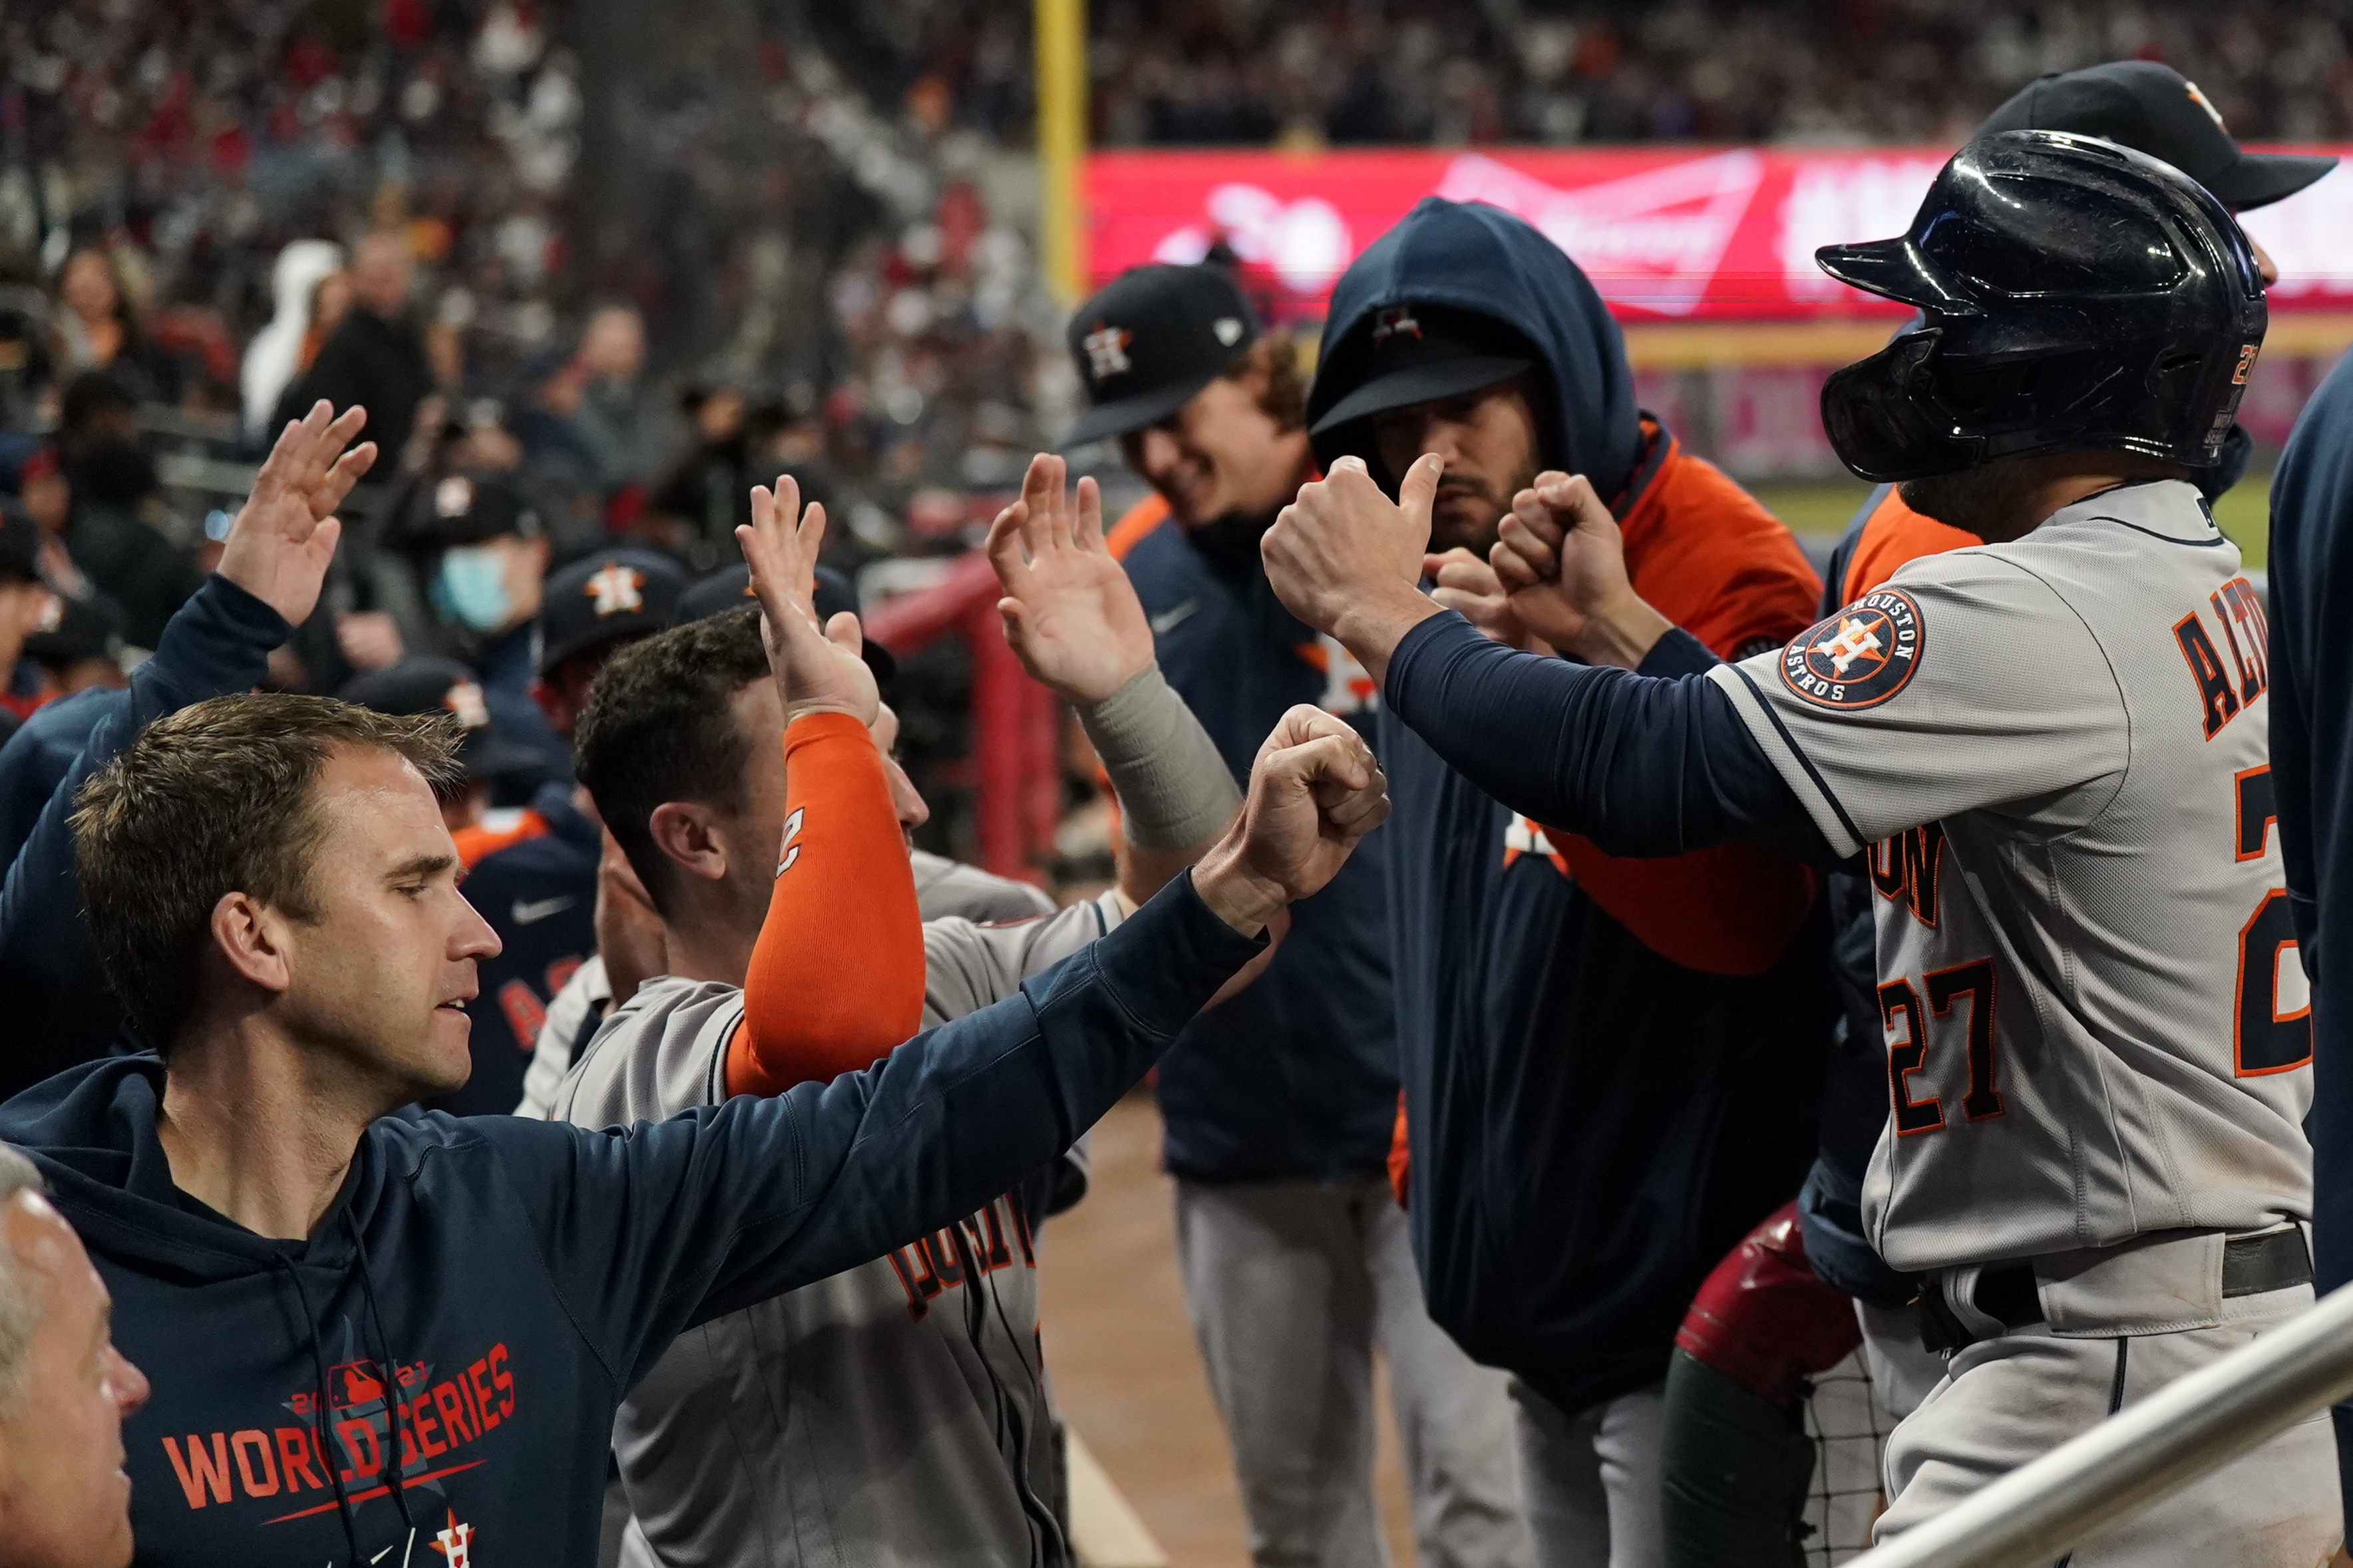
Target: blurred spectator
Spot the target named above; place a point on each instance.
(618, 419)
(285, 348)
(375, 357)
(24, 603)
(113, 529)
(97, 330)
(483, 555)
(693, 509)
(75, 647)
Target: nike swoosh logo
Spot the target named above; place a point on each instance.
(531, 913)
(1168, 621)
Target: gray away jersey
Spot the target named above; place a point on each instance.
(2056, 754)
(895, 1414)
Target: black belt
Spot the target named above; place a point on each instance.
(2251, 1264)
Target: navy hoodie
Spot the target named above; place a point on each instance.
(61, 1009)
(2311, 567)
(482, 1291)
(1592, 1125)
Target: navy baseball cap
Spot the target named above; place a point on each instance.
(612, 594)
(1153, 337)
(1420, 353)
(730, 588)
(74, 630)
(420, 685)
(470, 509)
(2156, 109)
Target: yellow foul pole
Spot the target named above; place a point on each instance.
(1061, 33)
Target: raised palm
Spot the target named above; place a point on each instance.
(1069, 612)
(285, 535)
(815, 668)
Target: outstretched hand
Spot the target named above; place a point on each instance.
(1347, 560)
(1068, 610)
(816, 670)
(284, 537)
(1315, 790)
(1562, 561)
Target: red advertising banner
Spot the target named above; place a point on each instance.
(1667, 234)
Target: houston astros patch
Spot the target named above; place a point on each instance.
(1860, 657)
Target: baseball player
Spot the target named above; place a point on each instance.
(1279, 1107)
(899, 1409)
(2135, 104)
(2098, 1052)
(1584, 1040)
(629, 945)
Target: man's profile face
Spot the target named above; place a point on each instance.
(1220, 455)
(1487, 440)
(64, 1501)
(383, 975)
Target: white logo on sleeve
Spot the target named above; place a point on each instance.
(1168, 621)
(530, 911)
(792, 851)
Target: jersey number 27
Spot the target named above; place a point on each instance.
(2271, 1024)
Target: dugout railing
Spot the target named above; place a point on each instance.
(2039, 1512)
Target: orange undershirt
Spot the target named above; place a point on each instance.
(837, 977)
(491, 836)
(1704, 554)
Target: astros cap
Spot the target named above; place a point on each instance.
(730, 588)
(2154, 109)
(1420, 354)
(1153, 338)
(469, 508)
(419, 685)
(612, 594)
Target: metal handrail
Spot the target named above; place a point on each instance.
(2187, 1429)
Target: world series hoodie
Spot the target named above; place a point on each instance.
(430, 1378)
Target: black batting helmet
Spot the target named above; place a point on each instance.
(2072, 294)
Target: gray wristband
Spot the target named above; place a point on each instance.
(1174, 788)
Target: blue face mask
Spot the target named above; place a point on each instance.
(473, 586)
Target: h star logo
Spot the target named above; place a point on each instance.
(1107, 351)
(455, 1542)
(1348, 687)
(465, 700)
(615, 589)
(1524, 837)
(1855, 641)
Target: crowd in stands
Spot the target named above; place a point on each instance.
(212, 216)
(1370, 71)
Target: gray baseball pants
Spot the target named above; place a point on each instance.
(1291, 1287)
(1592, 1480)
(2015, 1397)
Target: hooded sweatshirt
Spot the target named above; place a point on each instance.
(481, 1293)
(1593, 1124)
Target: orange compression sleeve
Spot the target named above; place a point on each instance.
(837, 977)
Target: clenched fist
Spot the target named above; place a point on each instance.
(1315, 789)
(1562, 562)
(1346, 560)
